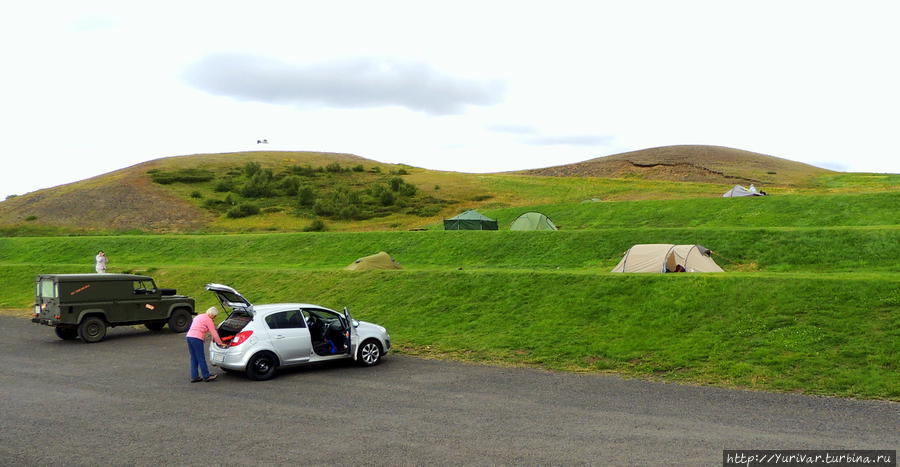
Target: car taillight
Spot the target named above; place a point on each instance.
(240, 338)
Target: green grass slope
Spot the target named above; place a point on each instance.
(757, 249)
(857, 209)
(836, 335)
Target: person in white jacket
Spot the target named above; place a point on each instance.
(100, 262)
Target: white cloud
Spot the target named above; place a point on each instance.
(351, 83)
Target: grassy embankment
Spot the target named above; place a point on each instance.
(819, 314)
(821, 334)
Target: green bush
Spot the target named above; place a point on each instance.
(334, 167)
(305, 170)
(359, 168)
(223, 186)
(196, 194)
(306, 197)
(252, 168)
(242, 210)
(291, 185)
(260, 185)
(181, 175)
(316, 226)
(31, 218)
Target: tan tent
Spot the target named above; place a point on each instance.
(665, 257)
(380, 260)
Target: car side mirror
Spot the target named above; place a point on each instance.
(355, 323)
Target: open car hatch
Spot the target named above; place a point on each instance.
(230, 298)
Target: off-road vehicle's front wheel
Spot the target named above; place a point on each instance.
(180, 320)
(92, 329)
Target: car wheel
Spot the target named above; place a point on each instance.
(369, 353)
(66, 334)
(155, 325)
(262, 366)
(180, 320)
(92, 329)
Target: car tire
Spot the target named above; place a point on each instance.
(155, 325)
(261, 366)
(369, 353)
(92, 329)
(66, 334)
(180, 320)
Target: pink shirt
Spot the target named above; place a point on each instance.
(201, 325)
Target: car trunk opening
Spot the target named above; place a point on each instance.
(236, 321)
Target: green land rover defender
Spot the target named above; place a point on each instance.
(84, 305)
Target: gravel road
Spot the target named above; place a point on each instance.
(127, 400)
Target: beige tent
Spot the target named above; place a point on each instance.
(664, 257)
(380, 260)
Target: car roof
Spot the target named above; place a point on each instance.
(276, 307)
(94, 277)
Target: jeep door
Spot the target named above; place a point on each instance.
(289, 336)
(142, 302)
(46, 298)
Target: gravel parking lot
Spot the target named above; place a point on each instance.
(127, 400)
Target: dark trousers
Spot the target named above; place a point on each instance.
(198, 359)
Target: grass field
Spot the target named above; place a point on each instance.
(834, 334)
(809, 302)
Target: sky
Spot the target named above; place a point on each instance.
(89, 87)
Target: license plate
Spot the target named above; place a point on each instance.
(219, 357)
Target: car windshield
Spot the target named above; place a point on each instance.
(46, 288)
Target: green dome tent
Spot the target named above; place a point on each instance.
(470, 220)
(533, 221)
(380, 260)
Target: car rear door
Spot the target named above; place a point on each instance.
(230, 298)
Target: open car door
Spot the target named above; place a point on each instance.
(354, 336)
(230, 298)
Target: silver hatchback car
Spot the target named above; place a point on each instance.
(262, 338)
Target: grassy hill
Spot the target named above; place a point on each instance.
(711, 164)
(297, 191)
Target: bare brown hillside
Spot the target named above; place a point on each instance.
(711, 164)
(122, 200)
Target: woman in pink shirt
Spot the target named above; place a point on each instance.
(201, 325)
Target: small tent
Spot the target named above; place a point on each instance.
(380, 260)
(470, 220)
(739, 191)
(532, 221)
(667, 258)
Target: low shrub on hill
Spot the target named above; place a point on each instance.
(164, 177)
(242, 210)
